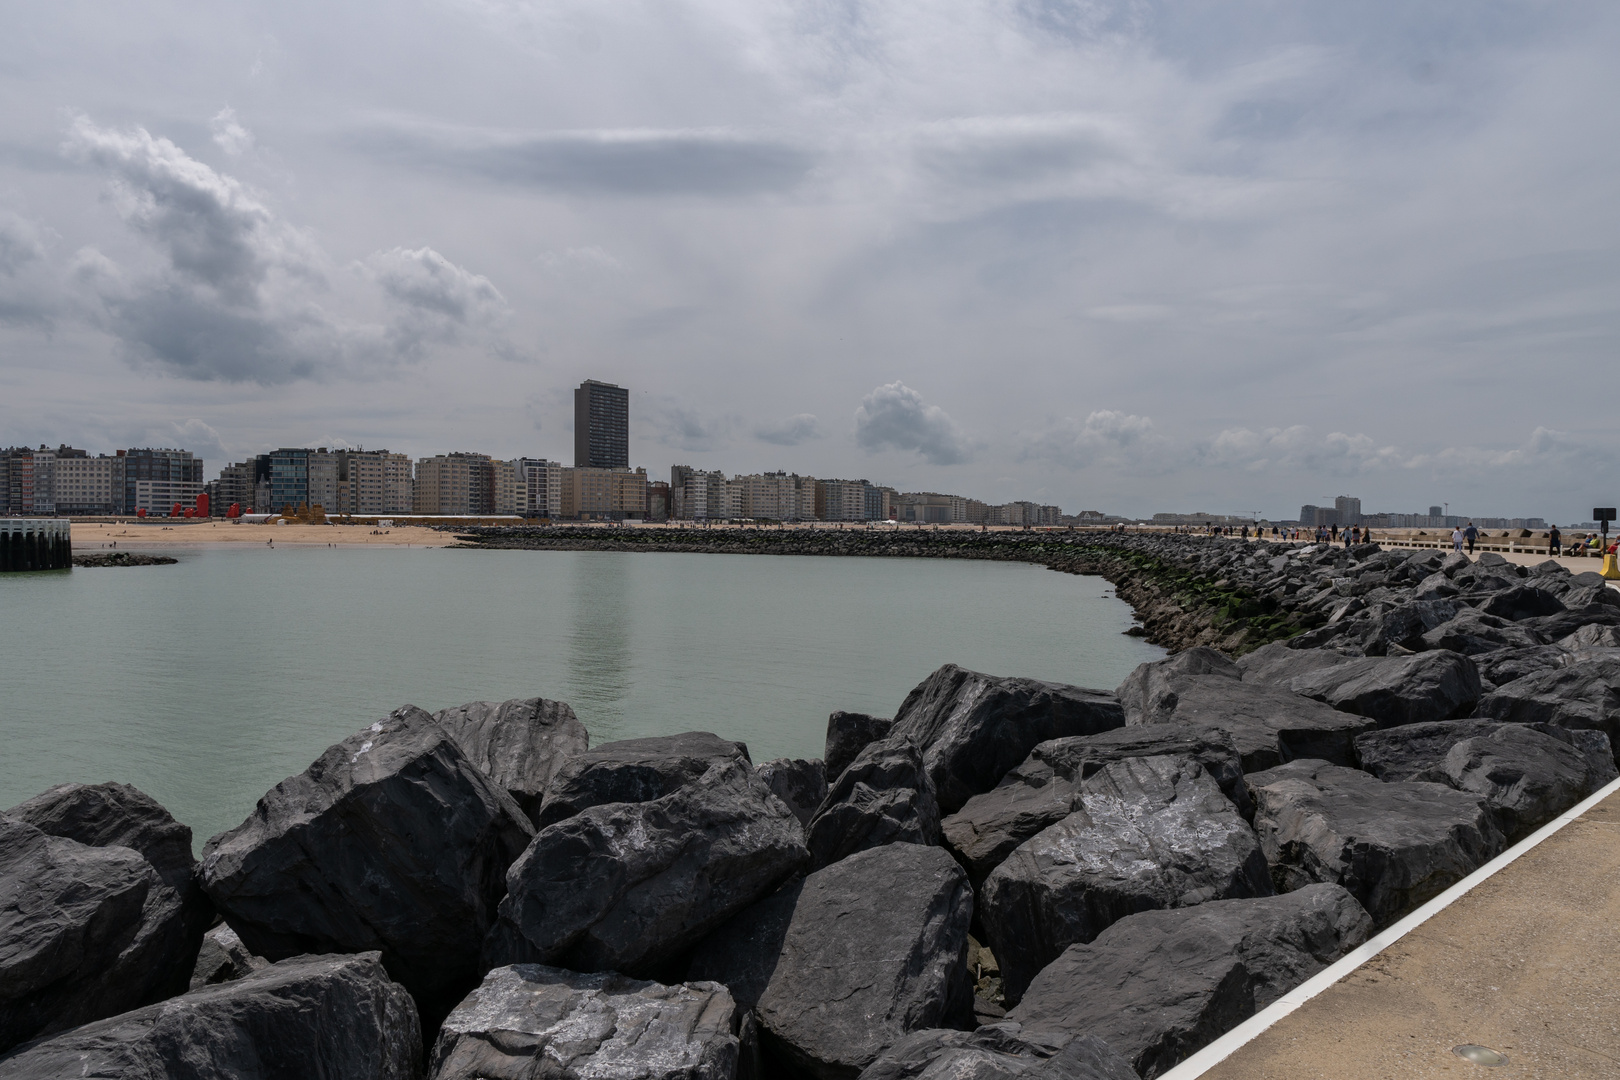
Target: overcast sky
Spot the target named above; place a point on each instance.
(1119, 256)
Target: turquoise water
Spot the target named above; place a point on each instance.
(207, 682)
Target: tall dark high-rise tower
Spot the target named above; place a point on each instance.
(601, 426)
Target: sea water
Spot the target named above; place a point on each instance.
(207, 682)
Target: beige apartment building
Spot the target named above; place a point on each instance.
(88, 485)
(457, 483)
(603, 494)
(374, 482)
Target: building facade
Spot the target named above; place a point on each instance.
(456, 483)
(601, 426)
(375, 482)
(156, 479)
(88, 485)
(603, 494)
(931, 508)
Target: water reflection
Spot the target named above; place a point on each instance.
(600, 654)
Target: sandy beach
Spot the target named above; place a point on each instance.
(95, 536)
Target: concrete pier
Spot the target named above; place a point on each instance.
(35, 544)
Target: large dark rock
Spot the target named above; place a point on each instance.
(885, 796)
(1159, 986)
(630, 886)
(114, 815)
(1403, 626)
(1392, 690)
(1505, 665)
(1584, 695)
(1527, 773)
(1268, 724)
(1474, 632)
(634, 770)
(1520, 602)
(529, 1020)
(223, 958)
(1280, 663)
(1591, 636)
(392, 840)
(1152, 832)
(1148, 694)
(1045, 789)
(848, 733)
(799, 783)
(311, 1016)
(999, 1051)
(520, 744)
(842, 964)
(1393, 845)
(973, 729)
(83, 930)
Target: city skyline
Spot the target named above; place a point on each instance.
(1107, 254)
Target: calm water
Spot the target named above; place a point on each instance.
(207, 682)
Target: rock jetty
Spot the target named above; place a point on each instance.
(1342, 734)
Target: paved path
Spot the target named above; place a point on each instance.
(1528, 963)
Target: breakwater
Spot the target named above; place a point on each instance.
(941, 890)
(35, 544)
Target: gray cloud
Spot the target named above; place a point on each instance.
(682, 427)
(433, 299)
(894, 417)
(26, 298)
(1105, 437)
(790, 430)
(608, 162)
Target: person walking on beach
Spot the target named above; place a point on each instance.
(1472, 534)
(1457, 539)
(1554, 542)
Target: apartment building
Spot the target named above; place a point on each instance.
(375, 482)
(156, 479)
(234, 487)
(88, 485)
(844, 500)
(775, 496)
(603, 494)
(601, 426)
(930, 507)
(29, 481)
(325, 469)
(456, 483)
(540, 484)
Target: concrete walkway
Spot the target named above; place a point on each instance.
(1527, 963)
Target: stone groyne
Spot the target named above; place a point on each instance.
(480, 892)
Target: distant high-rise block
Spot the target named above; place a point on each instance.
(601, 426)
(1437, 511)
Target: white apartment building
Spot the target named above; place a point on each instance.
(540, 487)
(158, 497)
(88, 485)
(375, 482)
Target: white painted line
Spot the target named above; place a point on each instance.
(1228, 1044)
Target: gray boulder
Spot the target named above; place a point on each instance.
(1586, 593)
(799, 783)
(973, 729)
(1505, 665)
(1393, 845)
(629, 886)
(1437, 586)
(1159, 986)
(1152, 832)
(885, 796)
(634, 770)
(1581, 696)
(844, 963)
(83, 932)
(1519, 602)
(1403, 626)
(1268, 724)
(1392, 690)
(223, 958)
(114, 815)
(999, 1051)
(311, 1016)
(392, 840)
(529, 1020)
(1148, 693)
(1559, 627)
(1280, 663)
(1592, 636)
(1474, 632)
(520, 744)
(848, 733)
(1045, 789)
(1406, 753)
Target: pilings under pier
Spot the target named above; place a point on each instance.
(35, 544)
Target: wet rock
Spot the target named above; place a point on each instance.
(1393, 845)
(1520, 602)
(1584, 695)
(1268, 724)
(1474, 632)
(799, 783)
(1045, 789)
(634, 770)
(973, 729)
(392, 840)
(848, 733)
(1160, 985)
(223, 958)
(1000, 1051)
(844, 963)
(1392, 690)
(1152, 832)
(80, 930)
(310, 1016)
(520, 744)
(629, 886)
(530, 1020)
(885, 796)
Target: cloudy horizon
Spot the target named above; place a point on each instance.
(1124, 256)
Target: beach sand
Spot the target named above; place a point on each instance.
(94, 536)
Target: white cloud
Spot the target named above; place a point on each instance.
(229, 135)
(433, 299)
(1299, 448)
(894, 417)
(1105, 437)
